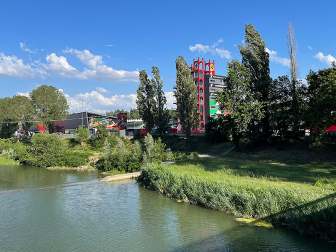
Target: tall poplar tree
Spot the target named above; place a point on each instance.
(145, 100)
(244, 108)
(161, 114)
(186, 97)
(256, 59)
(295, 89)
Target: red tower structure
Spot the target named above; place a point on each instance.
(199, 69)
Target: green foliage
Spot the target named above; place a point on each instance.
(127, 157)
(132, 114)
(102, 132)
(161, 114)
(322, 103)
(7, 117)
(256, 58)
(23, 111)
(154, 151)
(83, 134)
(146, 100)
(48, 151)
(50, 103)
(186, 97)
(244, 108)
(304, 208)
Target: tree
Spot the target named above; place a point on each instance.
(244, 108)
(281, 104)
(322, 103)
(294, 68)
(186, 97)
(23, 111)
(256, 59)
(83, 134)
(161, 114)
(102, 132)
(116, 112)
(8, 124)
(145, 100)
(134, 114)
(50, 103)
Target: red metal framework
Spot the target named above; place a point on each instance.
(199, 69)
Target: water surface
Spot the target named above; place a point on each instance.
(52, 210)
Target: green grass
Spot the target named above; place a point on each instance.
(268, 170)
(247, 186)
(5, 161)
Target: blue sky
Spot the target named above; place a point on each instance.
(93, 50)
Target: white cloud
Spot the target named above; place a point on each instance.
(59, 66)
(212, 49)
(95, 102)
(13, 67)
(102, 90)
(22, 94)
(170, 100)
(25, 48)
(328, 59)
(98, 71)
(310, 48)
(98, 103)
(109, 45)
(273, 55)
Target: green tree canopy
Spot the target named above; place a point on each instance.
(50, 104)
(7, 118)
(186, 97)
(256, 59)
(161, 114)
(240, 102)
(322, 102)
(23, 111)
(146, 100)
(83, 134)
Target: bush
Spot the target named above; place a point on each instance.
(120, 154)
(46, 151)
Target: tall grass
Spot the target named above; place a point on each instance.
(295, 204)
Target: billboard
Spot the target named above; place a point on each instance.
(122, 121)
(95, 121)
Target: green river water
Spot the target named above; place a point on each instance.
(53, 210)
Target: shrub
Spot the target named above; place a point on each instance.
(46, 151)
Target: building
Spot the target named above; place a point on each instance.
(85, 119)
(207, 83)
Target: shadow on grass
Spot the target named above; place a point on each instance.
(269, 170)
(316, 218)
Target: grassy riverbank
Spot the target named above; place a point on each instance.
(295, 193)
(6, 161)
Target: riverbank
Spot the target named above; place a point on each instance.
(300, 195)
(6, 161)
(118, 177)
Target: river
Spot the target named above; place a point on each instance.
(67, 210)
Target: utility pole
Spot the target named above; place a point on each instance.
(82, 114)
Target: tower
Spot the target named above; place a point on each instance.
(207, 82)
(199, 69)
